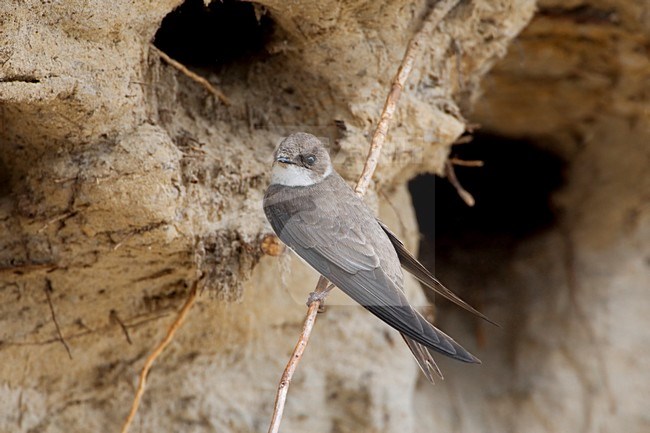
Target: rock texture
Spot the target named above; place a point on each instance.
(121, 181)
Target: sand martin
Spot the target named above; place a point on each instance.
(316, 213)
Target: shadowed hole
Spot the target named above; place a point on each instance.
(5, 180)
(215, 35)
(472, 247)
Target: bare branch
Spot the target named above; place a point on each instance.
(296, 356)
(23, 268)
(462, 192)
(432, 21)
(176, 324)
(467, 163)
(192, 76)
(56, 219)
(114, 316)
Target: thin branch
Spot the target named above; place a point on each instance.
(462, 192)
(55, 219)
(114, 316)
(296, 356)
(23, 268)
(48, 290)
(176, 324)
(432, 21)
(192, 76)
(463, 139)
(466, 163)
(120, 243)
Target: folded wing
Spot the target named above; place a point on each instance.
(342, 253)
(415, 268)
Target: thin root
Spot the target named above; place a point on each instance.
(192, 76)
(48, 290)
(462, 192)
(176, 324)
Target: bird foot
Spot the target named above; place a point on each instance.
(316, 297)
(319, 295)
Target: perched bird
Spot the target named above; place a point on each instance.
(316, 213)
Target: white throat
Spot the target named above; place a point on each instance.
(291, 175)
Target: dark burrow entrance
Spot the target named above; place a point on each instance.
(215, 36)
(470, 249)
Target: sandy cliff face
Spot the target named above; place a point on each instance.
(121, 180)
(573, 296)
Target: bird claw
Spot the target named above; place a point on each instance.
(316, 297)
(319, 296)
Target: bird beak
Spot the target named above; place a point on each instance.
(284, 160)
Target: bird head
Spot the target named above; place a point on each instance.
(300, 160)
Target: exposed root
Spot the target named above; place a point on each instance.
(462, 192)
(465, 163)
(169, 336)
(192, 76)
(48, 290)
(114, 316)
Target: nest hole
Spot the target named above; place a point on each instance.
(470, 247)
(215, 35)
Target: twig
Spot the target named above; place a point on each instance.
(192, 76)
(463, 139)
(176, 324)
(296, 355)
(48, 289)
(55, 219)
(432, 21)
(124, 239)
(65, 179)
(462, 192)
(114, 316)
(23, 268)
(466, 163)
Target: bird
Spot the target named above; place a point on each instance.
(313, 210)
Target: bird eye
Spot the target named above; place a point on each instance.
(309, 160)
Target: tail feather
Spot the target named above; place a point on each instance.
(447, 346)
(415, 268)
(424, 359)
